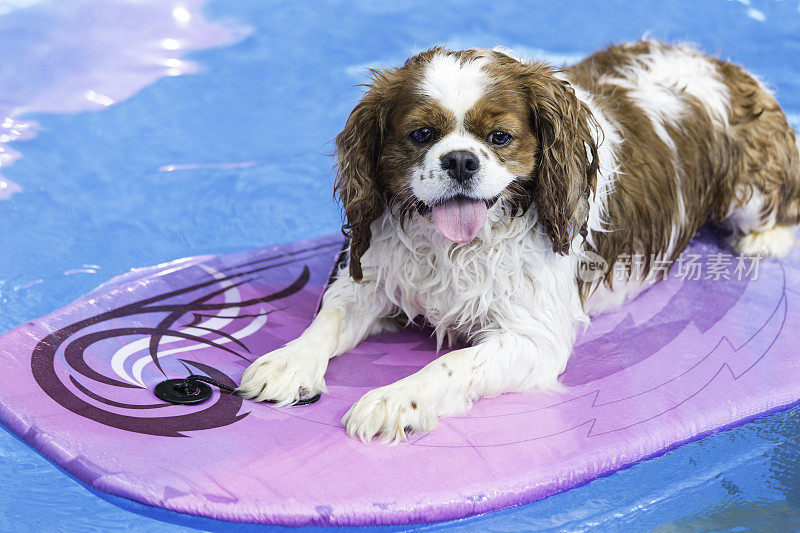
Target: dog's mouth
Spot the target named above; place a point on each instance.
(459, 218)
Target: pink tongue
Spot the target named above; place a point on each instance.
(460, 219)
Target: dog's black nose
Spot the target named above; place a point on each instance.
(461, 165)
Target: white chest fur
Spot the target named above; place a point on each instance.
(508, 278)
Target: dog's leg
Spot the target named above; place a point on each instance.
(350, 312)
(503, 362)
(777, 241)
(764, 200)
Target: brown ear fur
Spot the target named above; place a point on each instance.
(566, 166)
(357, 151)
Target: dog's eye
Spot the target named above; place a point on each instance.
(422, 135)
(499, 138)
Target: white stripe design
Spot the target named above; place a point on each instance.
(222, 319)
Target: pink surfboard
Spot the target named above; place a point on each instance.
(686, 358)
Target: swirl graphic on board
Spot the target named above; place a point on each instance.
(73, 368)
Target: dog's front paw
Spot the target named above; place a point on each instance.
(391, 413)
(284, 376)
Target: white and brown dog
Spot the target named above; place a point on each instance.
(473, 183)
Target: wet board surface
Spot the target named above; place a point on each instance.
(686, 358)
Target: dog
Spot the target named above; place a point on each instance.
(474, 183)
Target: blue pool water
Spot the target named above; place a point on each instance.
(235, 155)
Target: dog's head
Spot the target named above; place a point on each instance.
(449, 134)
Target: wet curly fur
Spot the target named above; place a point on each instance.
(628, 152)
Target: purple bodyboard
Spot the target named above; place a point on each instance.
(686, 358)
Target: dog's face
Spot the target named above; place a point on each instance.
(459, 145)
(449, 134)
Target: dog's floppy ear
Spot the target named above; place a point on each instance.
(566, 165)
(357, 151)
